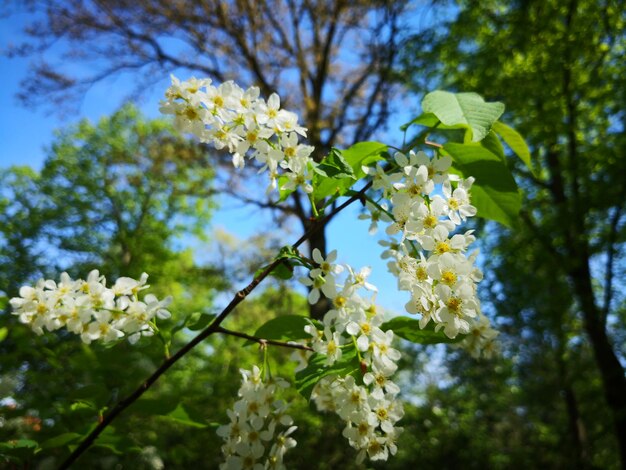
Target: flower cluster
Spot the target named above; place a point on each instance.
(239, 120)
(368, 403)
(89, 308)
(424, 205)
(253, 425)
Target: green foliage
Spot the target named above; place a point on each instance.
(20, 229)
(409, 329)
(515, 141)
(198, 321)
(113, 196)
(347, 364)
(479, 153)
(284, 328)
(124, 185)
(18, 450)
(463, 110)
(335, 166)
(494, 194)
(558, 66)
(346, 168)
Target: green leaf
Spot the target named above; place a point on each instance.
(283, 193)
(19, 444)
(18, 451)
(515, 141)
(409, 329)
(357, 156)
(156, 406)
(425, 119)
(4, 331)
(492, 143)
(284, 328)
(88, 398)
(115, 442)
(363, 154)
(283, 271)
(180, 416)
(289, 252)
(200, 321)
(61, 440)
(83, 405)
(463, 110)
(335, 166)
(494, 194)
(317, 369)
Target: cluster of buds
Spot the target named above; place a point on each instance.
(255, 425)
(89, 308)
(367, 401)
(246, 125)
(425, 205)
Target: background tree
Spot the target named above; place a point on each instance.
(559, 68)
(20, 227)
(114, 196)
(331, 60)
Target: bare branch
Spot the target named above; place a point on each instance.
(263, 341)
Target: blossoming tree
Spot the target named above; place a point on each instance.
(421, 192)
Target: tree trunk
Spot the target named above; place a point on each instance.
(612, 372)
(577, 431)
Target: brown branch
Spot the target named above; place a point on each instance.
(214, 327)
(263, 341)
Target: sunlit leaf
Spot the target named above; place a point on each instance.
(494, 194)
(515, 141)
(463, 110)
(409, 329)
(357, 156)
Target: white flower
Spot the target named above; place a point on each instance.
(438, 241)
(359, 279)
(457, 307)
(375, 214)
(129, 286)
(253, 425)
(457, 200)
(362, 326)
(380, 382)
(319, 283)
(240, 121)
(89, 308)
(326, 267)
(437, 167)
(383, 355)
(331, 346)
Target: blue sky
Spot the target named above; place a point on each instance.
(25, 133)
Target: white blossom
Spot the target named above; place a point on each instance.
(89, 308)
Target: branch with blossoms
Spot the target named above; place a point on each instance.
(347, 360)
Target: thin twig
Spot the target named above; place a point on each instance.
(263, 341)
(212, 328)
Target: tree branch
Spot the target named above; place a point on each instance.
(214, 327)
(263, 341)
